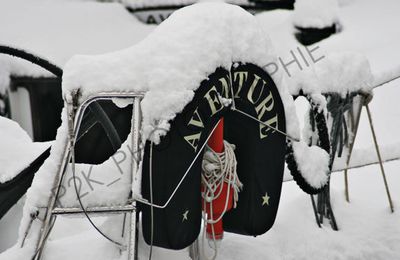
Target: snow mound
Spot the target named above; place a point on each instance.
(312, 163)
(109, 182)
(315, 13)
(338, 72)
(17, 149)
(169, 65)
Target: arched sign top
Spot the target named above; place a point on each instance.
(251, 87)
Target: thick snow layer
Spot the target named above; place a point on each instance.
(315, 13)
(368, 231)
(109, 181)
(368, 155)
(17, 149)
(171, 62)
(312, 163)
(338, 72)
(376, 39)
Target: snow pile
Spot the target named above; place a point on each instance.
(339, 72)
(312, 163)
(315, 13)
(169, 65)
(109, 181)
(342, 72)
(367, 230)
(17, 149)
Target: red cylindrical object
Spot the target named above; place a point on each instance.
(216, 143)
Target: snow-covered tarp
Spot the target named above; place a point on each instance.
(315, 13)
(17, 149)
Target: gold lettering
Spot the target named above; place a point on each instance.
(225, 87)
(264, 130)
(253, 87)
(193, 140)
(214, 101)
(196, 120)
(266, 105)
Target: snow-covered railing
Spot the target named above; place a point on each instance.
(365, 157)
(362, 158)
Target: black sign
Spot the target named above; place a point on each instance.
(260, 153)
(178, 225)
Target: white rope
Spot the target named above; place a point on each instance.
(218, 168)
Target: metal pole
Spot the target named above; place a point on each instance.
(136, 122)
(45, 229)
(355, 127)
(379, 158)
(315, 210)
(93, 210)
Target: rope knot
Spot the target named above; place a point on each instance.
(218, 168)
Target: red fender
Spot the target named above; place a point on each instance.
(216, 143)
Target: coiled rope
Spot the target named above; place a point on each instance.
(218, 168)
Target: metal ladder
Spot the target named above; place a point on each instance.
(75, 116)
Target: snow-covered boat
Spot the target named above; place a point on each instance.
(157, 104)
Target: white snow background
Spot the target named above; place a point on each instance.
(367, 228)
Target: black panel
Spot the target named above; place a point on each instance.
(13, 190)
(95, 146)
(260, 153)
(260, 158)
(308, 36)
(170, 160)
(46, 105)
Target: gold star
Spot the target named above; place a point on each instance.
(185, 215)
(265, 199)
